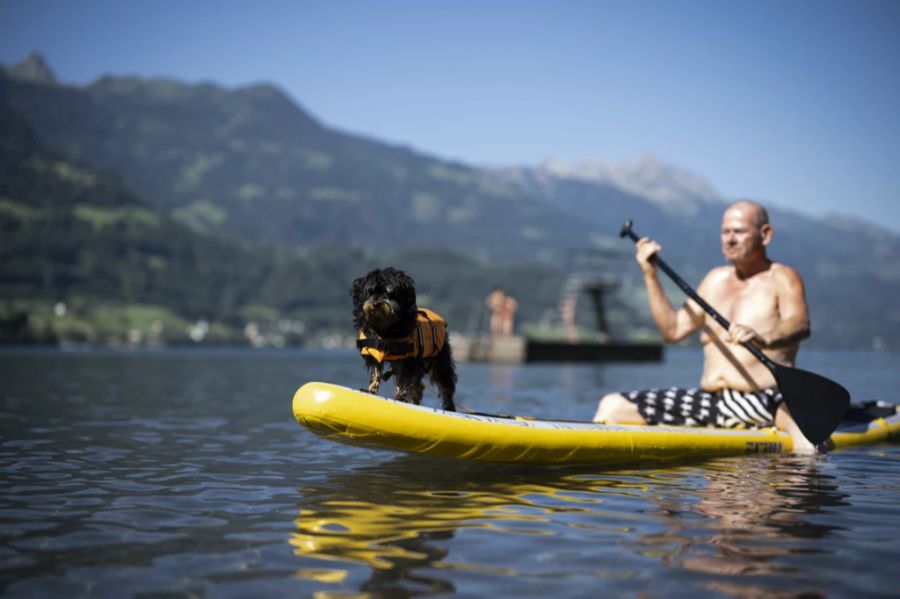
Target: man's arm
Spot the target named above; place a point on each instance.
(793, 323)
(674, 325)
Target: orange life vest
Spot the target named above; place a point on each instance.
(425, 341)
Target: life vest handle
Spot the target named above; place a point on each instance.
(388, 347)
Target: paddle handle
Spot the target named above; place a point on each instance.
(627, 231)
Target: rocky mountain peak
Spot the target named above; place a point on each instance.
(33, 67)
(669, 186)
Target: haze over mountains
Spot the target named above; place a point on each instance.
(253, 169)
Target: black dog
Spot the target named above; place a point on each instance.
(392, 328)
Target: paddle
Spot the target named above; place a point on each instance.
(816, 403)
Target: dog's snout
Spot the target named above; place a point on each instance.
(378, 306)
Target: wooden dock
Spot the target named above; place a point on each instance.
(516, 349)
(610, 351)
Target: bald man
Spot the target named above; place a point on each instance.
(766, 304)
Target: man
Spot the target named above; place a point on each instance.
(766, 304)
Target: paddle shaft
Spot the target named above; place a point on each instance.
(628, 232)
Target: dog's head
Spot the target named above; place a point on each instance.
(384, 301)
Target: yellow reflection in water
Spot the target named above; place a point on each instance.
(322, 575)
(371, 532)
(389, 516)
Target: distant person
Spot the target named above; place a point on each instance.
(494, 303)
(508, 315)
(766, 304)
(503, 310)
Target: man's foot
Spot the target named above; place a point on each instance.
(803, 446)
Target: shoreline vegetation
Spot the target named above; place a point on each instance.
(138, 325)
(135, 326)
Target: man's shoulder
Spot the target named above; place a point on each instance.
(784, 272)
(718, 273)
(715, 279)
(785, 279)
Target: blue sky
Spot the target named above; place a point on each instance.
(795, 103)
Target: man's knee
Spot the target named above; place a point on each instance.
(615, 408)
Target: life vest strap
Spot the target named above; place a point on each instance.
(391, 347)
(438, 341)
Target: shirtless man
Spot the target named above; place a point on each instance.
(766, 305)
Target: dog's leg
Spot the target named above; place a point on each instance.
(417, 389)
(447, 399)
(409, 381)
(410, 391)
(443, 375)
(375, 380)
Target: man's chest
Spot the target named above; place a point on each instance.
(751, 302)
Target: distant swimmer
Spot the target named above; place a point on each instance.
(503, 312)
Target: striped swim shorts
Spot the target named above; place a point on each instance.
(695, 407)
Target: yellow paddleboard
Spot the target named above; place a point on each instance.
(351, 416)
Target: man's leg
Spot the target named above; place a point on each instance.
(785, 422)
(615, 408)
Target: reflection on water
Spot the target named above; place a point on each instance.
(756, 517)
(736, 520)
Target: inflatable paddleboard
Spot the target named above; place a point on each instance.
(359, 418)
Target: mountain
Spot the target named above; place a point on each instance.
(251, 167)
(250, 164)
(82, 258)
(74, 235)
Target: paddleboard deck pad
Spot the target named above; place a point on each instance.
(359, 418)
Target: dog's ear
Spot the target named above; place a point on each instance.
(405, 290)
(357, 294)
(405, 284)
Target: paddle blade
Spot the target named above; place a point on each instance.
(817, 404)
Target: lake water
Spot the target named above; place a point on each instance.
(183, 473)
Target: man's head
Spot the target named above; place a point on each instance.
(745, 232)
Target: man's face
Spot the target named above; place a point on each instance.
(742, 238)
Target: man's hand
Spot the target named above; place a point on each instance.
(740, 333)
(646, 249)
